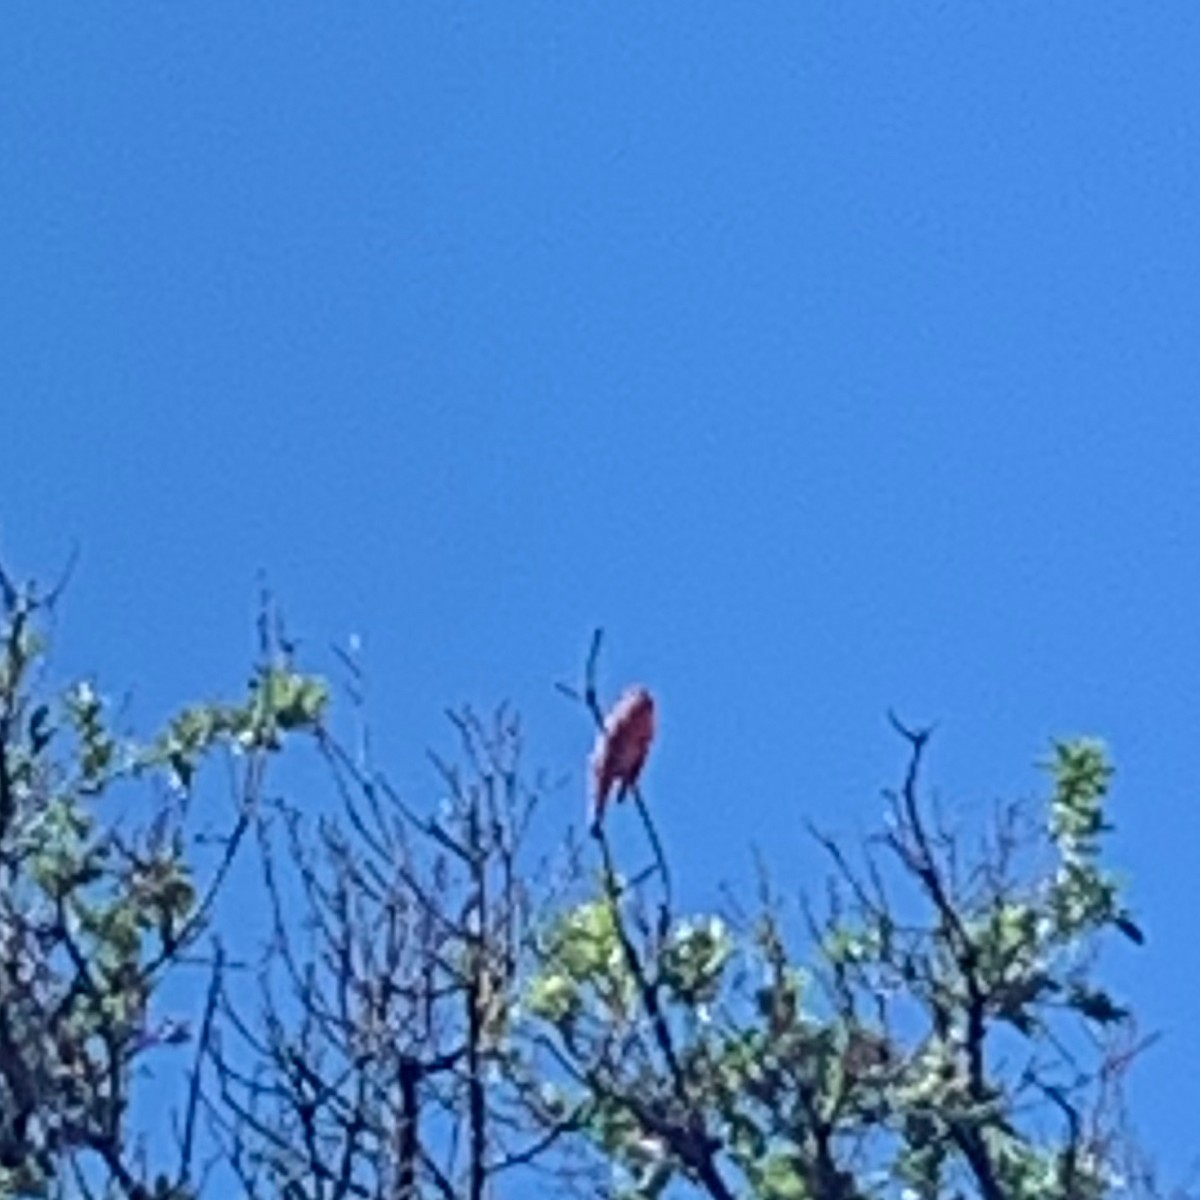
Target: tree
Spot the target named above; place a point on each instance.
(97, 908)
(951, 1041)
(380, 1059)
(454, 996)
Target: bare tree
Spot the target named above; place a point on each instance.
(379, 1059)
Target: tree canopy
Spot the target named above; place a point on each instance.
(463, 999)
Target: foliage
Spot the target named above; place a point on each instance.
(953, 1041)
(444, 1005)
(97, 907)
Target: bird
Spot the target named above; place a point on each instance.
(621, 748)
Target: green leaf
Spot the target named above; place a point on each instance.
(780, 1177)
(553, 997)
(695, 958)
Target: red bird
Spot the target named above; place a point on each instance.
(622, 747)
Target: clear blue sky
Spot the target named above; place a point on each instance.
(833, 356)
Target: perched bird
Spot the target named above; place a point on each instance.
(621, 748)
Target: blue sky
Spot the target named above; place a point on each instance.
(832, 356)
